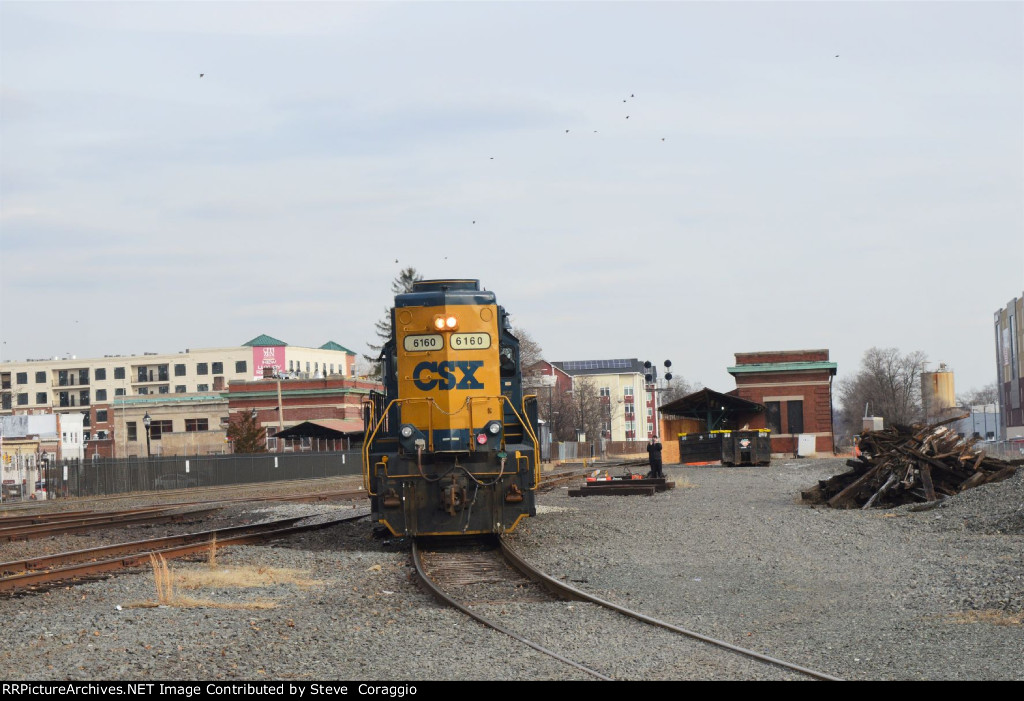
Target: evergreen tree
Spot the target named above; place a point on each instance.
(401, 284)
(246, 434)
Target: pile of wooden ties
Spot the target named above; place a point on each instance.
(903, 465)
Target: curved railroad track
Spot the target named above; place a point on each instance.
(503, 572)
(40, 573)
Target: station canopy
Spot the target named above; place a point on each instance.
(324, 428)
(718, 411)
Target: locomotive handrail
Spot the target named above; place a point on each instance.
(376, 427)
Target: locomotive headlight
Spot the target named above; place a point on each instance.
(439, 323)
(407, 431)
(451, 322)
(493, 428)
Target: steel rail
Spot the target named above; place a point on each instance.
(201, 541)
(529, 570)
(115, 520)
(418, 563)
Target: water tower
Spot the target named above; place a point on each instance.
(937, 394)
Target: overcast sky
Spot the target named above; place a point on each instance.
(670, 180)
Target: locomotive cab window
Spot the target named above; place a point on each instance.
(508, 361)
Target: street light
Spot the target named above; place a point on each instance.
(146, 421)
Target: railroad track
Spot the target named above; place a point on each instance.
(480, 578)
(39, 573)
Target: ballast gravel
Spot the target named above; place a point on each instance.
(730, 553)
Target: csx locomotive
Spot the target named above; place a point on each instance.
(451, 445)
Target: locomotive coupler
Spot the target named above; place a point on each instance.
(453, 496)
(513, 495)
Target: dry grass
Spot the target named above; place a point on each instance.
(995, 617)
(242, 577)
(683, 483)
(214, 576)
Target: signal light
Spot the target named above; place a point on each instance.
(481, 438)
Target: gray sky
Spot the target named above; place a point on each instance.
(790, 175)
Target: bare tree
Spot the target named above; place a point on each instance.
(401, 284)
(530, 352)
(588, 410)
(989, 394)
(887, 385)
(677, 388)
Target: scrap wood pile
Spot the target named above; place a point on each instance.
(910, 464)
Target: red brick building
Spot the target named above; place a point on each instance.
(283, 403)
(795, 388)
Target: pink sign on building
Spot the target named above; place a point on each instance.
(267, 357)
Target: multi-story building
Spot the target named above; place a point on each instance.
(1009, 327)
(75, 385)
(626, 399)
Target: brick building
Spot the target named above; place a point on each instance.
(795, 388)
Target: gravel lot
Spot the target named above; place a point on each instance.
(731, 553)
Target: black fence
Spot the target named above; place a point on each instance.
(80, 478)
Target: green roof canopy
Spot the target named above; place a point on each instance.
(264, 340)
(331, 345)
(784, 367)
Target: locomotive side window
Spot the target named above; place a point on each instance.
(508, 361)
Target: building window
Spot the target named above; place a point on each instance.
(650, 428)
(627, 391)
(795, 416)
(21, 378)
(119, 391)
(202, 369)
(773, 416)
(179, 369)
(240, 366)
(143, 390)
(41, 377)
(133, 434)
(164, 389)
(158, 428)
(203, 388)
(101, 416)
(606, 391)
(101, 373)
(100, 435)
(332, 369)
(23, 399)
(101, 395)
(218, 368)
(650, 411)
(179, 389)
(118, 373)
(83, 397)
(197, 425)
(307, 366)
(40, 397)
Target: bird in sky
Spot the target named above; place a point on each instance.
(201, 75)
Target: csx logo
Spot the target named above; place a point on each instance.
(446, 375)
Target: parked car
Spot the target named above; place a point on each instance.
(40, 492)
(176, 480)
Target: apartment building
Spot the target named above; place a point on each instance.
(627, 403)
(58, 385)
(1009, 328)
